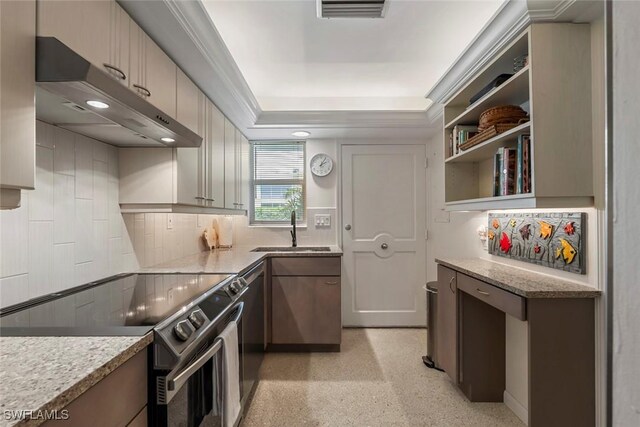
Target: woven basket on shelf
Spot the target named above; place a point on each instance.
(502, 114)
(488, 133)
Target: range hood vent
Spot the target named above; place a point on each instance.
(66, 81)
(352, 8)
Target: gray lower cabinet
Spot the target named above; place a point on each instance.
(119, 399)
(305, 302)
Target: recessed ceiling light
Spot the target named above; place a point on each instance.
(301, 133)
(166, 139)
(97, 104)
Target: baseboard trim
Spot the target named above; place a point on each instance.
(517, 408)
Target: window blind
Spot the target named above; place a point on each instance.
(277, 181)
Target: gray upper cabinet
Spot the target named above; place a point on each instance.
(230, 165)
(97, 30)
(188, 103)
(17, 107)
(153, 73)
(214, 163)
(235, 149)
(190, 111)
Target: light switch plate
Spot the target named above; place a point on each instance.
(170, 221)
(323, 220)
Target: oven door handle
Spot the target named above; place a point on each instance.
(180, 379)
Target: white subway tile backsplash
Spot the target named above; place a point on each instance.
(14, 239)
(44, 135)
(41, 206)
(63, 153)
(115, 256)
(149, 250)
(113, 208)
(149, 223)
(84, 273)
(63, 266)
(127, 225)
(84, 167)
(112, 160)
(64, 205)
(100, 151)
(14, 289)
(100, 249)
(84, 230)
(74, 232)
(40, 258)
(100, 190)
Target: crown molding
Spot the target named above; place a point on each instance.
(508, 22)
(184, 30)
(341, 119)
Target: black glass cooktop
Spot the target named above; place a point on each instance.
(122, 305)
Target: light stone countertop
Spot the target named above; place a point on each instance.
(47, 373)
(520, 282)
(234, 260)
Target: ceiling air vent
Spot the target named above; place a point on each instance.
(352, 8)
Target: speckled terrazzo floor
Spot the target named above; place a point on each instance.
(377, 380)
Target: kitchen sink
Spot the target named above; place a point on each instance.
(292, 249)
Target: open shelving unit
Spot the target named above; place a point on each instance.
(555, 89)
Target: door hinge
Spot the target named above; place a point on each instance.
(426, 162)
(426, 234)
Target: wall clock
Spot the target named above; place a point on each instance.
(321, 165)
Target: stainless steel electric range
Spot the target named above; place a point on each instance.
(185, 313)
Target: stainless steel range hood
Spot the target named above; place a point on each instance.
(66, 81)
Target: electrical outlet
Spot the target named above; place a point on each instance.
(323, 220)
(170, 221)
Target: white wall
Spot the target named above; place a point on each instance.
(69, 230)
(626, 204)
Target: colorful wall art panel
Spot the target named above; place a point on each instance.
(555, 240)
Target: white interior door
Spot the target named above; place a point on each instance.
(383, 235)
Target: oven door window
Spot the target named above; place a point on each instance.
(199, 401)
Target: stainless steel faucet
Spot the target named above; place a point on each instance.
(294, 241)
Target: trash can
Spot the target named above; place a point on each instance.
(430, 359)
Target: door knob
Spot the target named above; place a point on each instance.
(384, 246)
(347, 227)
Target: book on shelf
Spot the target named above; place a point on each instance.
(497, 168)
(461, 134)
(508, 170)
(512, 168)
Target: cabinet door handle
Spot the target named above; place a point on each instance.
(200, 198)
(122, 75)
(210, 200)
(450, 283)
(331, 283)
(481, 292)
(146, 92)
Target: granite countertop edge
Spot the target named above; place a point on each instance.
(244, 260)
(68, 395)
(552, 288)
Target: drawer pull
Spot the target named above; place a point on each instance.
(481, 292)
(144, 90)
(200, 198)
(122, 75)
(331, 283)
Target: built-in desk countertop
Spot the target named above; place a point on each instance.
(520, 282)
